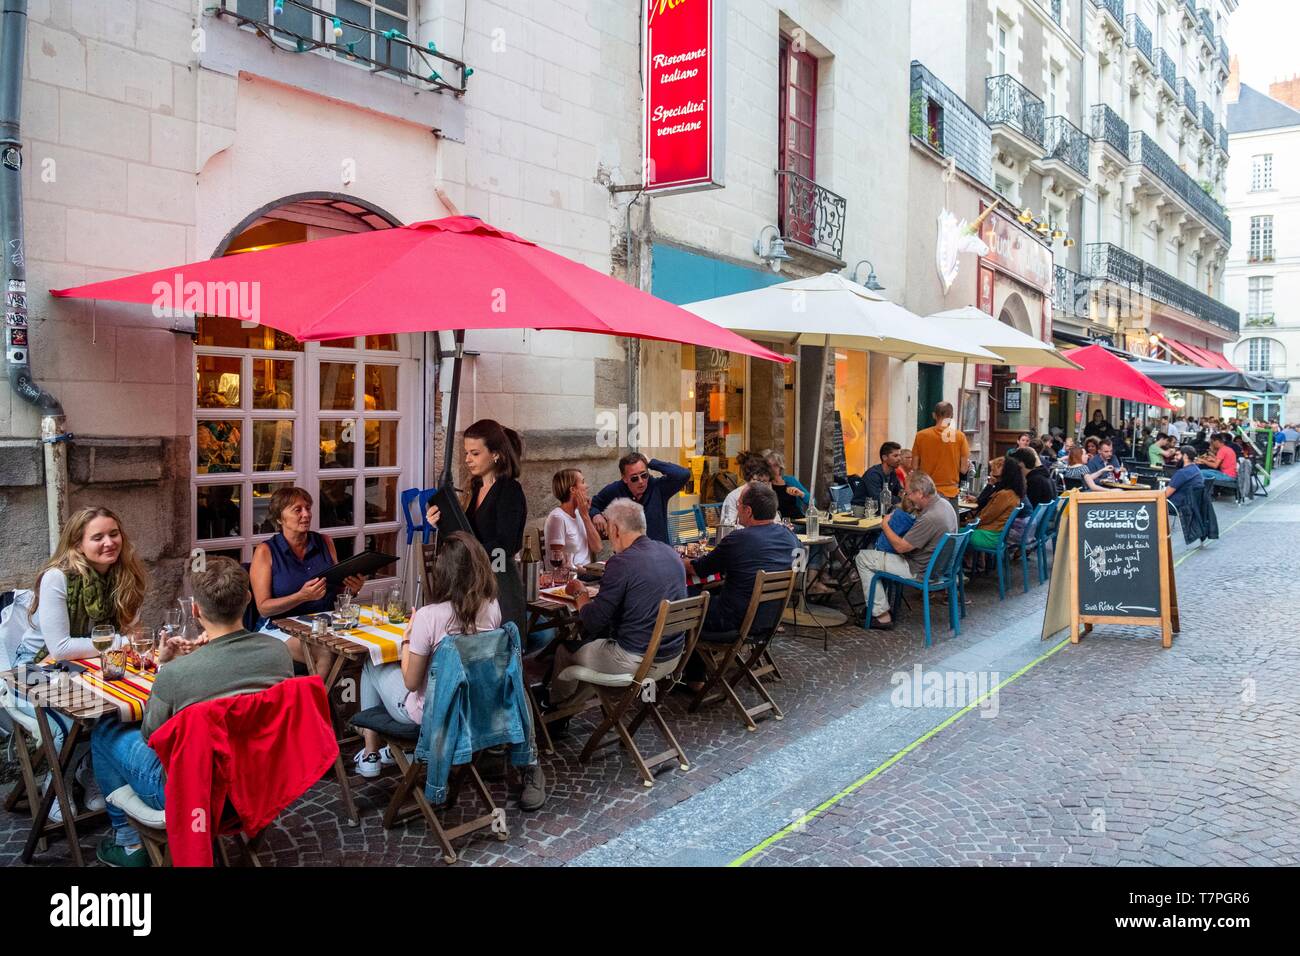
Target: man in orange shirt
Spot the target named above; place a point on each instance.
(942, 452)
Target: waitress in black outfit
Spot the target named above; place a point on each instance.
(496, 508)
(497, 513)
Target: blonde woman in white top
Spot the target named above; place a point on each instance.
(569, 529)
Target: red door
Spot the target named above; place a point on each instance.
(798, 135)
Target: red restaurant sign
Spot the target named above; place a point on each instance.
(684, 95)
(1015, 252)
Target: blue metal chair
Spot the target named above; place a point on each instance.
(1048, 536)
(999, 552)
(409, 497)
(1031, 542)
(943, 572)
(686, 526)
(709, 515)
(426, 496)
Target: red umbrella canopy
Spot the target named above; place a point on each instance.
(444, 274)
(1102, 373)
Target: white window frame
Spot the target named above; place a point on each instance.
(1261, 172)
(1261, 239)
(1260, 296)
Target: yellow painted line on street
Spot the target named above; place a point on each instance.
(826, 805)
(858, 784)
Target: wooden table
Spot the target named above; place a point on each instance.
(1123, 486)
(341, 654)
(543, 613)
(82, 709)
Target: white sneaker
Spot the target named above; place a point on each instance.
(367, 765)
(56, 811)
(94, 799)
(386, 757)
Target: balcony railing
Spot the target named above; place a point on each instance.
(1068, 143)
(1223, 138)
(1011, 103)
(1071, 293)
(1055, 8)
(1168, 72)
(295, 26)
(1207, 24)
(1113, 264)
(1188, 93)
(1143, 149)
(1114, 7)
(960, 132)
(1207, 119)
(1107, 127)
(1266, 320)
(1139, 36)
(1223, 52)
(811, 214)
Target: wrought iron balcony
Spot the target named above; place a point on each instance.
(1054, 7)
(1071, 293)
(1139, 36)
(1143, 150)
(1011, 103)
(946, 122)
(1207, 119)
(811, 214)
(1223, 52)
(295, 26)
(1207, 24)
(1114, 7)
(1223, 138)
(1188, 93)
(1068, 143)
(1165, 67)
(1113, 264)
(1107, 127)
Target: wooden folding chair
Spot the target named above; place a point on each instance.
(620, 693)
(428, 557)
(745, 652)
(408, 799)
(151, 824)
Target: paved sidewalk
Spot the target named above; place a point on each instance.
(1161, 742)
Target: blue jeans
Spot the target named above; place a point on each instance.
(1216, 476)
(122, 757)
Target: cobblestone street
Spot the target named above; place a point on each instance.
(1110, 752)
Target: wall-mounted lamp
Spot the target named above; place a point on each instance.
(1026, 216)
(775, 253)
(1043, 228)
(1069, 243)
(871, 282)
(1057, 234)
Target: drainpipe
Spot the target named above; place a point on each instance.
(13, 37)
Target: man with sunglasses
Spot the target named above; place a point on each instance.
(651, 492)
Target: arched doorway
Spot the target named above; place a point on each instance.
(341, 418)
(1011, 404)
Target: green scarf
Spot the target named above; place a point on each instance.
(90, 602)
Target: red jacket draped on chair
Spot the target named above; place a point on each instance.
(258, 751)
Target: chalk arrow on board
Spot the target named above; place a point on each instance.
(1134, 607)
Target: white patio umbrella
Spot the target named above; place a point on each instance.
(970, 324)
(830, 310)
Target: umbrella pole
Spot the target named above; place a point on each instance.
(458, 356)
(817, 432)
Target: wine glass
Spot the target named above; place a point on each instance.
(101, 636)
(142, 643)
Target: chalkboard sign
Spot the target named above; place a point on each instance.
(1119, 559)
(1011, 399)
(1118, 565)
(839, 466)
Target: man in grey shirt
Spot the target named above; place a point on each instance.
(227, 660)
(934, 518)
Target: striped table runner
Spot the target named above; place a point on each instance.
(382, 641)
(128, 695)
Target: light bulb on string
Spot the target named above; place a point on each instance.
(338, 28)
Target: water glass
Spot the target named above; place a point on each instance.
(394, 608)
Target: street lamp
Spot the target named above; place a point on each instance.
(871, 282)
(775, 253)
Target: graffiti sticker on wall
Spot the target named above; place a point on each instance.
(15, 300)
(18, 337)
(16, 319)
(17, 285)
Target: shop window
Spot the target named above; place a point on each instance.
(851, 388)
(712, 396)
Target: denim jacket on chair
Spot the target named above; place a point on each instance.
(474, 699)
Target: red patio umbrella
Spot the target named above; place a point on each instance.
(1101, 373)
(447, 274)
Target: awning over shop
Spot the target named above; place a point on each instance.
(1202, 379)
(1201, 357)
